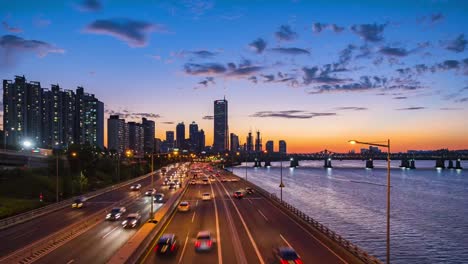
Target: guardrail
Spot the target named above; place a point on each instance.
(344, 243)
(29, 215)
(43, 246)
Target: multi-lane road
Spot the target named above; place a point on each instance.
(109, 235)
(245, 230)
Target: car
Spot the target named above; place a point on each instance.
(166, 182)
(177, 182)
(167, 245)
(135, 187)
(287, 255)
(132, 220)
(234, 179)
(204, 242)
(249, 190)
(159, 198)
(238, 194)
(206, 196)
(150, 192)
(193, 182)
(184, 206)
(79, 203)
(172, 186)
(205, 180)
(116, 213)
(224, 180)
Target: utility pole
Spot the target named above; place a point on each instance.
(152, 187)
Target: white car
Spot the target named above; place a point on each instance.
(206, 196)
(150, 192)
(132, 220)
(116, 213)
(135, 187)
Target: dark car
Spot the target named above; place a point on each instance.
(132, 220)
(238, 194)
(249, 190)
(159, 198)
(135, 187)
(287, 255)
(79, 203)
(116, 213)
(167, 245)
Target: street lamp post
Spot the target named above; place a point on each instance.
(246, 167)
(388, 186)
(152, 186)
(281, 186)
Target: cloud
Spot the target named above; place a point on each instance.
(353, 108)
(258, 45)
(413, 108)
(39, 21)
(291, 51)
(12, 45)
(134, 33)
(369, 32)
(291, 114)
(204, 68)
(245, 71)
(268, 77)
(436, 17)
(450, 108)
(462, 100)
(11, 29)
(285, 33)
(203, 53)
(126, 114)
(253, 79)
(316, 75)
(208, 117)
(89, 6)
(455, 65)
(146, 115)
(398, 52)
(400, 97)
(319, 27)
(207, 81)
(168, 122)
(458, 44)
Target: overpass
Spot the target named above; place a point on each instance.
(11, 158)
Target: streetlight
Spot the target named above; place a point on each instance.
(27, 144)
(152, 186)
(281, 186)
(379, 144)
(246, 166)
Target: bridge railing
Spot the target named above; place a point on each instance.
(346, 244)
(29, 215)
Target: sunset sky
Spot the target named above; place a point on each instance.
(314, 73)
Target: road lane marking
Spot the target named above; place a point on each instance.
(245, 227)
(289, 245)
(71, 261)
(110, 232)
(193, 217)
(250, 201)
(218, 235)
(183, 249)
(196, 204)
(262, 214)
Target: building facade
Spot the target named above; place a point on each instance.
(180, 135)
(149, 129)
(282, 147)
(221, 128)
(269, 146)
(234, 141)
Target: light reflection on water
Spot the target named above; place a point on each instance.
(429, 207)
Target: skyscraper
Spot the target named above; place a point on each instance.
(234, 140)
(258, 142)
(249, 142)
(170, 137)
(269, 146)
(221, 128)
(180, 135)
(193, 136)
(136, 138)
(282, 147)
(201, 140)
(148, 132)
(89, 119)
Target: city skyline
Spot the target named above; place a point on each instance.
(304, 73)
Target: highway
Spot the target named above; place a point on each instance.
(99, 243)
(246, 230)
(26, 233)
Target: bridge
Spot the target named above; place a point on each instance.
(244, 230)
(11, 159)
(443, 159)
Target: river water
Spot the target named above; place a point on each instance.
(429, 207)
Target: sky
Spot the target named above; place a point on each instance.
(314, 73)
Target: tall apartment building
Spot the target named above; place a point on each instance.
(234, 141)
(282, 147)
(136, 138)
(149, 133)
(221, 128)
(180, 135)
(50, 117)
(117, 134)
(269, 146)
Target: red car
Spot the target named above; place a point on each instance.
(288, 255)
(238, 194)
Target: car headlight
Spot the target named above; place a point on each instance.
(108, 215)
(124, 222)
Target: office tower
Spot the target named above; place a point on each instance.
(170, 138)
(249, 142)
(89, 119)
(269, 146)
(148, 131)
(157, 145)
(282, 147)
(234, 140)
(116, 134)
(193, 136)
(258, 142)
(201, 140)
(180, 135)
(221, 128)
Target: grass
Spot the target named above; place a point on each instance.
(13, 206)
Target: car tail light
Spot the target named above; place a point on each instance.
(156, 248)
(197, 244)
(298, 261)
(284, 261)
(173, 247)
(209, 243)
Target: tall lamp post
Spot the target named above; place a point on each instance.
(152, 187)
(281, 186)
(246, 166)
(379, 144)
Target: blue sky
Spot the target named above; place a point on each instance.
(311, 72)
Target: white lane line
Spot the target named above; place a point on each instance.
(218, 234)
(250, 201)
(260, 258)
(262, 214)
(193, 217)
(183, 249)
(196, 204)
(71, 261)
(109, 232)
(287, 243)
